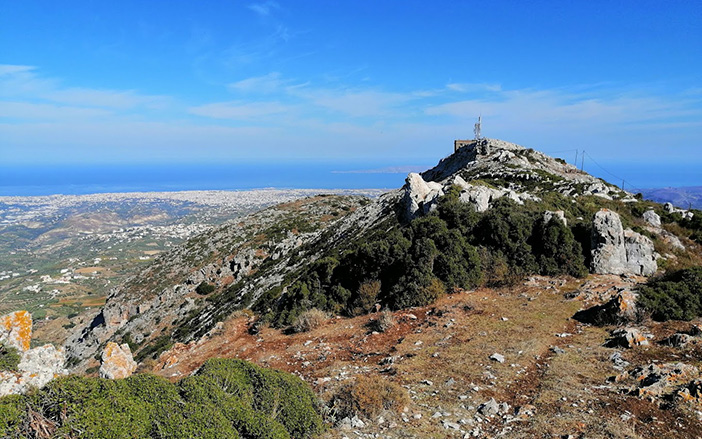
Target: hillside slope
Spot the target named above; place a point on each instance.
(482, 216)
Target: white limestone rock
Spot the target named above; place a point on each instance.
(608, 250)
(37, 367)
(558, 214)
(618, 251)
(652, 218)
(640, 254)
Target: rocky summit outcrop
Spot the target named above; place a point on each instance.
(37, 366)
(117, 362)
(619, 251)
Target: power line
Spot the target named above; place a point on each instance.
(611, 174)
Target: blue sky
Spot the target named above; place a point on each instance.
(393, 81)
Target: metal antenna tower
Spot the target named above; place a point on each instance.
(476, 129)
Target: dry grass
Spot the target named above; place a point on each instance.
(368, 397)
(309, 320)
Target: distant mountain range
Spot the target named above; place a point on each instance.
(684, 197)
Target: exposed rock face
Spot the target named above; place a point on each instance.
(608, 250)
(117, 362)
(627, 338)
(420, 195)
(655, 380)
(640, 254)
(620, 309)
(619, 251)
(37, 366)
(652, 218)
(16, 330)
(558, 214)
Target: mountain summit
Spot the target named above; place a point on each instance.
(488, 214)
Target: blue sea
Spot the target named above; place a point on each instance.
(85, 179)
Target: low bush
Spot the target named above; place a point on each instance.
(675, 296)
(9, 358)
(309, 320)
(204, 289)
(384, 321)
(367, 397)
(225, 399)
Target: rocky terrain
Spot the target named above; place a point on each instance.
(502, 293)
(61, 254)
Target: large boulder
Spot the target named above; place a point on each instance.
(626, 338)
(37, 367)
(619, 309)
(608, 249)
(117, 362)
(16, 330)
(420, 195)
(619, 251)
(652, 218)
(640, 254)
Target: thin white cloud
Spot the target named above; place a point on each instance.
(470, 87)
(264, 8)
(32, 111)
(258, 84)
(23, 83)
(238, 110)
(357, 102)
(9, 69)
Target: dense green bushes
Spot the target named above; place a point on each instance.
(404, 265)
(225, 399)
(675, 296)
(9, 358)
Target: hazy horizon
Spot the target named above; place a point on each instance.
(158, 82)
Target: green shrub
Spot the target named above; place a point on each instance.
(9, 358)
(225, 399)
(675, 296)
(204, 289)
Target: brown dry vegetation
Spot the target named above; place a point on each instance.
(449, 344)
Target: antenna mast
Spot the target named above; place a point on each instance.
(476, 129)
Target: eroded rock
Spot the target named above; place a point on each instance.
(37, 367)
(16, 330)
(117, 362)
(627, 338)
(619, 251)
(621, 308)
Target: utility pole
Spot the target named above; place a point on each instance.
(576, 158)
(582, 161)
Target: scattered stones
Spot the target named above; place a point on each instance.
(557, 350)
(619, 362)
(497, 357)
(117, 362)
(655, 380)
(626, 338)
(677, 340)
(489, 408)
